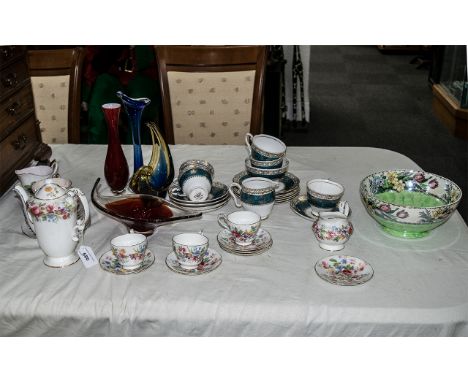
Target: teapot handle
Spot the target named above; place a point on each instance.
(248, 142)
(77, 232)
(234, 197)
(54, 167)
(23, 195)
(84, 202)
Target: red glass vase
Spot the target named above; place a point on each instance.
(116, 166)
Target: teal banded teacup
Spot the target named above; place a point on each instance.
(256, 195)
(270, 173)
(264, 147)
(324, 193)
(195, 179)
(266, 164)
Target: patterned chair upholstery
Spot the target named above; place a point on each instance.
(211, 95)
(56, 84)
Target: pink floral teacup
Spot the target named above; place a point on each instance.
(243, 225)
(189, 249)
(129, 249)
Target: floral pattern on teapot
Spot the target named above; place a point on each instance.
(44, 211)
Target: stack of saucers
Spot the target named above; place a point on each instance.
(217, 198)
(260, 244)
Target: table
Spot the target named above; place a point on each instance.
(420, 288)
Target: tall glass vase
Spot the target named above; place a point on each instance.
(115, 166)
(134, 109)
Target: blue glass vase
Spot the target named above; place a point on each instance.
(134, 109)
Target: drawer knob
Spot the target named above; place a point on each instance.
(20, 143)
(7, 51)
(13, 108)
(10, 80)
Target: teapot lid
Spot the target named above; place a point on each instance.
(50, 191)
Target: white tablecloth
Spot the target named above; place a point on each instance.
(420, 287)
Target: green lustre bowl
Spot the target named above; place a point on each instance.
(409, 203)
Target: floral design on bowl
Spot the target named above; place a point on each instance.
(409, 203)
(344, 270)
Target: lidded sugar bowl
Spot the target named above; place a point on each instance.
(332, 229)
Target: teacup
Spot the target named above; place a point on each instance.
(324, 193)
(27, 176)
(266, 164)
(264, 147)
(270, 173)
(256, 195)
(189, 249)
(195, 179)
(129, 249)
(243, 225)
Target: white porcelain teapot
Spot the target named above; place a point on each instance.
(52, 213)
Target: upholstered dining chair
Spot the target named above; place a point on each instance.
(211, 94)
(56, 83)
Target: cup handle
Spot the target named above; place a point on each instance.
(273, 183)
(236, 200)
(248, 142)
(222, 221)
(315, 214)
(343, 207)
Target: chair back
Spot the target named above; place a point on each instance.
(56, 83)
(211, 94)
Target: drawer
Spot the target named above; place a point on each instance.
(10, 53)
(12, 78)
(15, 109)
(18, 148)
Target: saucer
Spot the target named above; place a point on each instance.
(260, 244)
(301, 206)
(210, 262)
(288, 185)
(109, 263)
(218, 192)
(344, 270)
(204, 209)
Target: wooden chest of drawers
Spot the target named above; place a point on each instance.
(19, 130)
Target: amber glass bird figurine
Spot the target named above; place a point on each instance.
(156, 177)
